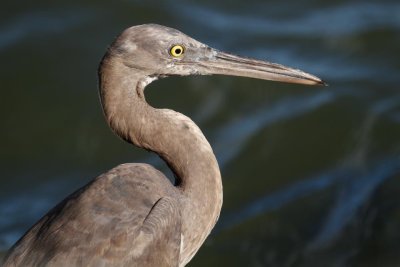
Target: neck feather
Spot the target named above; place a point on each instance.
(173, 136)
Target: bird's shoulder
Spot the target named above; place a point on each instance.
(117, 219)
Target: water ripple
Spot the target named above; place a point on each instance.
(357, 176)
(360, 188)
(349, 18)
(232, 137)
(30, 24)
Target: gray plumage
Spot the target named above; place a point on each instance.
(132, 215)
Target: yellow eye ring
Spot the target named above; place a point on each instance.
(177, 50)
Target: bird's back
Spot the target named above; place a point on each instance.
(129, 216)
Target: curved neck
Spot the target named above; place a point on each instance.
(173, 136)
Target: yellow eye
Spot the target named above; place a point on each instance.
(177, 50)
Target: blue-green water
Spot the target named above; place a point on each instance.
(311, 175)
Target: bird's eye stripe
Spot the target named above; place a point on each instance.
(177, 50)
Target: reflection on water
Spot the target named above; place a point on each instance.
(231, 138)
(310, 174)
(37, 23)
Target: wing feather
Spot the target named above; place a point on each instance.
(129, 216)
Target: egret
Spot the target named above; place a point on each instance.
(133, 215)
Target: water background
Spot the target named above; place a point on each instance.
(311, 174)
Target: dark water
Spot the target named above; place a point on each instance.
(311, 175)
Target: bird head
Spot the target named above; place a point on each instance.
(159, 51)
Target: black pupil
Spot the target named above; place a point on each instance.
(178, 51)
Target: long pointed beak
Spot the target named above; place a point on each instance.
(228, 64)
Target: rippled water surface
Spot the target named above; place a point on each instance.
(311, 174)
